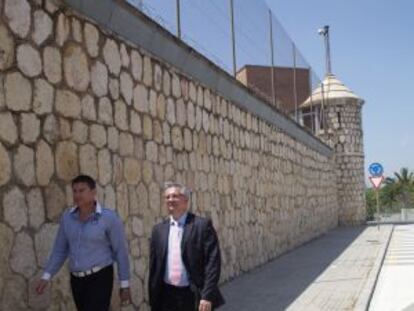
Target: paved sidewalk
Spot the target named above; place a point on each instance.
(334, 272)
(394, 289)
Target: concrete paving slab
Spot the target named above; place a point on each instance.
(334, 272)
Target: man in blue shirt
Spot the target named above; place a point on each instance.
(93, 238)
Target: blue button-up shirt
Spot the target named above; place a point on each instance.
(176, 234)
(98, 241)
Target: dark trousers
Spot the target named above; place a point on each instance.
(177, 299)
(93, 292)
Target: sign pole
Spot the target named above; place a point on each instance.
(376, 170)
(378, 220)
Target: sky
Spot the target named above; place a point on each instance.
(372, 52)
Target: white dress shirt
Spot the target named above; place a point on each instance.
(175, 236)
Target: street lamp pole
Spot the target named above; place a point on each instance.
(325, 33)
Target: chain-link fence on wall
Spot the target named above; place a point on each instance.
(245, 39)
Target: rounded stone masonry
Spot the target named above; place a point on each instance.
(75, 65)
(66, 160)
(15, 293)
(8, 128)
(36, 208)
(147, 71)
(79, 132)
(18, 13)
(88, 161)
(76, 30)
(147, 172)
(126, 86)
(68, 104)
(126, 144)
(166, 83)
(99, 79)
(91, 35)
(23, 259)
(18, 91)
(114, 88)
(113, 139)
(28, 60)
(136, 63)
(158, 132)
(43, 97)
(176, 87)
(55, 201)
(2, 95)
(15, 209)
(121, 115)
(112, 56)
(43, 27)
(6, 48)
(44, 241)
(136, 127)
(153, 97)
(5, 166)
(132, 171)
(62, 29)
(141, 98)
(124, 56)
(105, 113)
(30, 128)
(122, 201)
(6, 244)
(98, 135)
(52, 64)
(24, 166)
(104, 167)
(88, 108)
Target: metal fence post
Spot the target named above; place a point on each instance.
(274, 101)
(311, 112)
(295, 95)
(233, 38)
(178, 11)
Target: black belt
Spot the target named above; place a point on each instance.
(176, 288)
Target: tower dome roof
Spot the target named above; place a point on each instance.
(330, 88)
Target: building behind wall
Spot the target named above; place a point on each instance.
(287, 82)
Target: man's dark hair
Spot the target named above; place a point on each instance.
(84, 179)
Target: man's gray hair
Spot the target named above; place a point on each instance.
(185, 191)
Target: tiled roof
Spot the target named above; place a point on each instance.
(332, 88)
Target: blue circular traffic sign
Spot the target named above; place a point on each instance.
(376, 169)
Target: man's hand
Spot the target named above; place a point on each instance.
(205, 305)
(125, 296)
(41, 286)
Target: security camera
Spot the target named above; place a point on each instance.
(323, 31)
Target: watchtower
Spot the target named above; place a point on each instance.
(335, 114)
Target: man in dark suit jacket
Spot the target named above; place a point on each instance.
(184, 258)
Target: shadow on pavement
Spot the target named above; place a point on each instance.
(275, 285)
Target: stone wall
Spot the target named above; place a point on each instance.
(74, 99)
(344, 135)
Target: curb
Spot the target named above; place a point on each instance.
(368, 289)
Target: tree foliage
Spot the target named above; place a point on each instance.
(396, 193)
